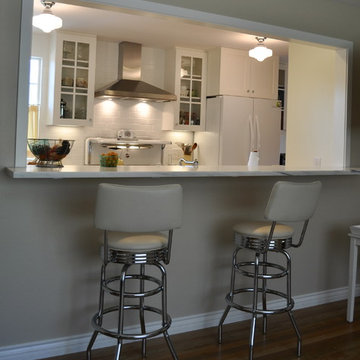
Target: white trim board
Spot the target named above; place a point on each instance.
(78, 343)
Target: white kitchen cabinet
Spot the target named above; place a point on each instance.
(71, 79)
(186, 77)
(233, 72)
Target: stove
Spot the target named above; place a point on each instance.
(132, 151)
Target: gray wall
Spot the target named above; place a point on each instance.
(48, 251)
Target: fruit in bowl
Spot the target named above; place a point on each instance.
(49, 152)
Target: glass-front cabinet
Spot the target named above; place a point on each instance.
(189, 86)
(72, 79)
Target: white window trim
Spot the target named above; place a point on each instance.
(39, 79)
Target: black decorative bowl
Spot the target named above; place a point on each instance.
(50, 152)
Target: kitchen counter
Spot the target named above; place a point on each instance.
(93, 171)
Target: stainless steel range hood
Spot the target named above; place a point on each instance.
(129, 84)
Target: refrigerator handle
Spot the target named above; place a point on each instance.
(257, 124)
(252, 133)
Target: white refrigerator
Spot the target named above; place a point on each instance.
(237, 125)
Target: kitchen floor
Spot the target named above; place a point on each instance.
(326, 336)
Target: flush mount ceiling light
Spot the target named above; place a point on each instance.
(260, 52)
(47, 21)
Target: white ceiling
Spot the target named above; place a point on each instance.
(153, 30)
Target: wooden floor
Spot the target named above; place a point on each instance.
(325, 331)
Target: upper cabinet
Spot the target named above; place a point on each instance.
(72, 79)
(233, 72)
(185, 76)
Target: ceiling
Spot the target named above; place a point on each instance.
(152, 30)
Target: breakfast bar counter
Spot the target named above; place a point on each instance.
(174, 171)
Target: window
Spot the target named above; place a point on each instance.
(213, 20)
(34, 96)
(35, 81)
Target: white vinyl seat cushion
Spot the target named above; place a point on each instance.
(135, 242)
(261, 229)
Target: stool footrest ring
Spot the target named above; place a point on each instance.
(97, 318)
(249, 309)
(267, 265)
(148, 278)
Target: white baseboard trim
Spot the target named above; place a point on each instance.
(73, 344)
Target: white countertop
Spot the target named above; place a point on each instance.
(159, 171)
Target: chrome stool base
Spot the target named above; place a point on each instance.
(261, 273)
(107, 286)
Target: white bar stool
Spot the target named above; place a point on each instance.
(353, 256)
(288, 202)
(138, 223)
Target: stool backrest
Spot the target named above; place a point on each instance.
(138, 208)
(292, 201)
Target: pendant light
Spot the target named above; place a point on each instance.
(47, 21)
(260, 52)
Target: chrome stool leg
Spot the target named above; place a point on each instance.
(264, 294)
(118, 349)
(254, 307)
(141, 310)
(120, 329)
(299, 342)
(223, 317)
(91, 344)
(170, 345)
(100, 312)
(231, 294)
(165, 317)
(291, 314)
